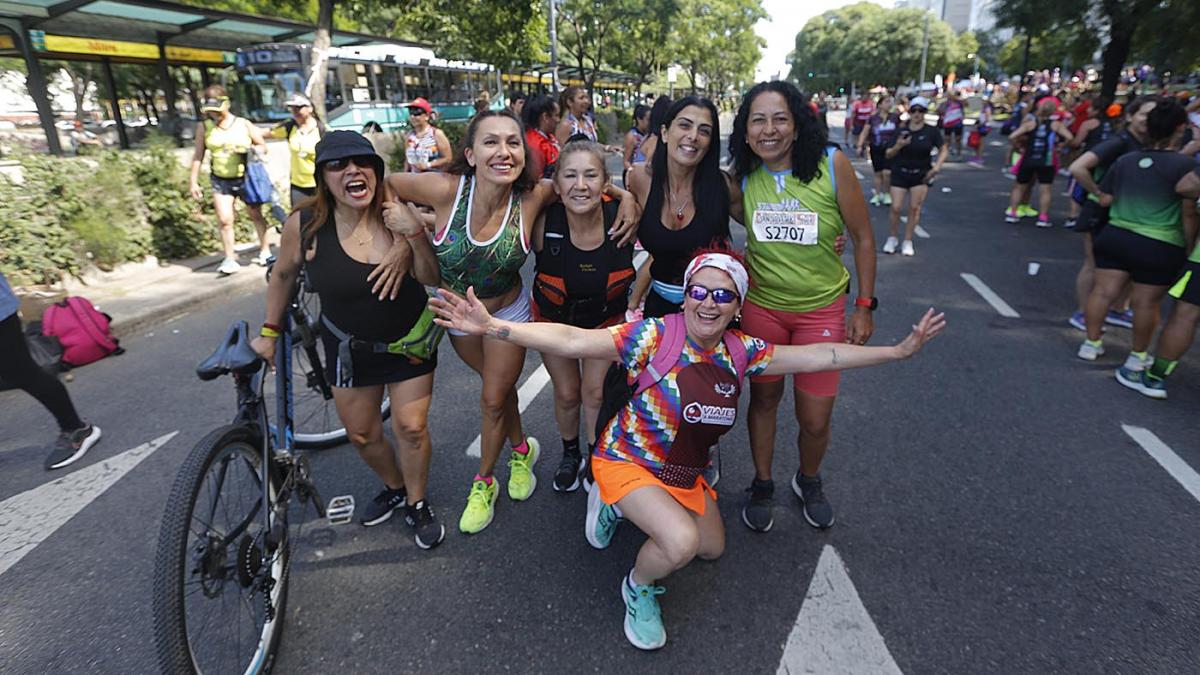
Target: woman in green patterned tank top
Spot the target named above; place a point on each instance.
(485, 205)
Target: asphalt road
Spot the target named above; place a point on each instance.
(993, 515)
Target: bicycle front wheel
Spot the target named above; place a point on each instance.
(220, 578)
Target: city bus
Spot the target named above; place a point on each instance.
(363, 84)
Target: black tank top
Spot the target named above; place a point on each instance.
(583, 288)
(673, 249)
(346, 299)
(1102, 132)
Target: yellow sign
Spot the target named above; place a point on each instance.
(6, 42)
(136, 50)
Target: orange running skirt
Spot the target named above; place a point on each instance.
(617, 478)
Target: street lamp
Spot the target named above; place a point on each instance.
(975, 64)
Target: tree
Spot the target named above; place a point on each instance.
(1160, 41)
(322, 40)
(1068, 46)
(715, 40)
(589, 31)
(646, 43)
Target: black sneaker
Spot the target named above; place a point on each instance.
(756, 512)
(817, 510)
(429, 532)
(71, 446)
(568, 473)
(587, 480)
(381, 507)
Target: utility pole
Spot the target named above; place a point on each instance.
(924, 47)
(554, 44)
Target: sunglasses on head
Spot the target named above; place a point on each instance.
(416, 112)
(361, 161)
(721, 296)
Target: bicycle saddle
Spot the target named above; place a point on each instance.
(233, 356)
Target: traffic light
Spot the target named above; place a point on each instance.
(811, 73)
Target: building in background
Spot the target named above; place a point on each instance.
(962, 15)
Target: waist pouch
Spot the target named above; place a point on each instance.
(419, 344)
(669, 292)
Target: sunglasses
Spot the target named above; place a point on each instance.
(361, 161)
(416, 112)
(721, 296)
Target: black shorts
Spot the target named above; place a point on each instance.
(906, 177)
(856, 131)
(1092, 217)
(371, 369)
(1187, 288)
(227, 186)
(299, 194)
(1148, 261)
(1026, 173)
(953, 131)
(879, 160)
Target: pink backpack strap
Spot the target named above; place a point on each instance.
(667, 354)
(86, 317)
(737, 351)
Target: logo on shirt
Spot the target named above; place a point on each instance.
(759, 345)
(726, 389)
(1145, 162)
(694, 413)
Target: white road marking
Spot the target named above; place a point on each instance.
(858, 175)
(540, 378)
(1166, 458)
(921, 232)
(833, 632)
(988, 294)
(29, 518)
(525, 395)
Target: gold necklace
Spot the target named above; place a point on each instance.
(678, 211)
(360, 242)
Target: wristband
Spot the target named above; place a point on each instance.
(269, 330)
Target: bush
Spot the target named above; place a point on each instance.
(110, 226)
(182, 228)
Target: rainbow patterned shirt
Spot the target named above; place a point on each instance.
(642, 432)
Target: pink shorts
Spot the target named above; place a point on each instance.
(827, 324)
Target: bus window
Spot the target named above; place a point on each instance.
(389, 83)
(333, 89)
(417, 83)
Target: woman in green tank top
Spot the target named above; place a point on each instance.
(227, 138)
(485, 205)
(796, 195)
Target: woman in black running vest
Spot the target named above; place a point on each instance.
(583, 279)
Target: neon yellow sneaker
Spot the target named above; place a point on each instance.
(521, 481)
(1027, 211)
(481, 507)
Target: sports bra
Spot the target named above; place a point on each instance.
(493, 267)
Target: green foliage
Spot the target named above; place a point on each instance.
(645, 42)
(716, 41)
(109, 220)
(181, 227)
(1071, 46)
(35, 246)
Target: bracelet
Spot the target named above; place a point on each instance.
(269, 330)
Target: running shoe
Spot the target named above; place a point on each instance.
(907, 249)
(1026, 211)
(228, 266)
(381, 507)
(570, 470)
(601, 521)
(817, 510)
(71, 446)
(890, 245)
(1142, 382)
(427, 530)
(1077, 320)
(874, 201)
(262, 259)
(481, 507)
(712, 472)
(1089, 351)
(1012, 216)
(887, 199)
(1069, 223)
(588, 481)
(1043, 220)
(521, 479)
(757, 511)
(975, 161)
(643, 617)
(1123, 319)
(1137, 363)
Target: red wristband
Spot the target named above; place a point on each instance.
(272, 326)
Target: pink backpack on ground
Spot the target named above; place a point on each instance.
(82, 329)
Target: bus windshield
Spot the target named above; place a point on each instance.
(262, 95)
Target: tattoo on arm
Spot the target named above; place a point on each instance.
(835, 358)
(500, 333)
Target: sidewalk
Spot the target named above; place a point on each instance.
(141, 295)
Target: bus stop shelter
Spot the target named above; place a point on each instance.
(138, 31)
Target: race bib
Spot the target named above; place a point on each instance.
(789, 227)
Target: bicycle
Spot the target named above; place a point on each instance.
(225, 542)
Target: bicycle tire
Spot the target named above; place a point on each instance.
(174, 565)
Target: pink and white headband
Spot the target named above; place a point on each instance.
(726, 263)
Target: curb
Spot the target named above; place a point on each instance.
(243, 283)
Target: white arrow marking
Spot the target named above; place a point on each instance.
(833, 632)
(29, 518)
(921, 232)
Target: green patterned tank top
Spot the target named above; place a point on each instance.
(493, 267)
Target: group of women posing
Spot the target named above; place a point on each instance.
(796, 195)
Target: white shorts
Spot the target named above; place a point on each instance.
(518, 311)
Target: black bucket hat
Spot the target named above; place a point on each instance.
(343, 144)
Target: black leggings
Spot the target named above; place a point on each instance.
(19, 369)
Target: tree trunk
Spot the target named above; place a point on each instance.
(320, 58)
(1025, 56)
(1115, 52)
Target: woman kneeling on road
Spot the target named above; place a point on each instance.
(650, 458)
(345, 246)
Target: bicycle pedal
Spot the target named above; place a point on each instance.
(340, 510)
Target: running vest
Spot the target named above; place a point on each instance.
(228, 147)
(422, 149)
(493, 267)
(585, 126)
(639, 157)
(302, 145)
(581, 288)
(1041, 145)
(790, 233)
